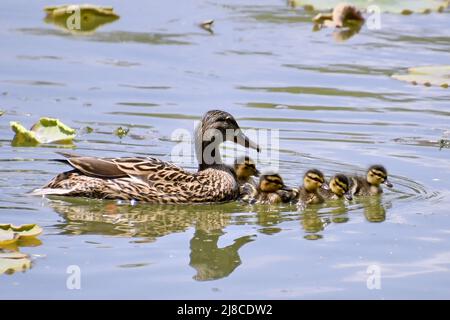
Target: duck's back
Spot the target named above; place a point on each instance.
(360, 187)
(143, 179)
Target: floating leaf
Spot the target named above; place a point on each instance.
(11, 262)
(427, 76)
(7, 237)
(80, 19)
(393, 6)
(25, 230)
(121, 132)
(46, 130)
(207, 25)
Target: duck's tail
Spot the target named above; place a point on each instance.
(50, 191)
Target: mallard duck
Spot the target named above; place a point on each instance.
(370, 185)
(309, 192)
(245, 169)
(270, 190)
(338, 187)
(155, 181)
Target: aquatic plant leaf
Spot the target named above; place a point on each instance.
(80, 19)
(121, 132)
(11, 262)
(392, 6)
(46, 130)
(7, 237)
(2, 113)
(24, 230)
(428, 76)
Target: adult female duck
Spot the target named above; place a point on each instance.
(152, 180)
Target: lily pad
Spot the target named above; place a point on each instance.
(392, 6)
(80, 19)
(25, 230)
(427, 76)
(121, 132)
(11, 262)
(7, 237)
(46, 130)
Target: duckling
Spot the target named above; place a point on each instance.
(370, 185)
(152, 180)
(339, 187)
(245, 169)
(270, 190)
(309, 192)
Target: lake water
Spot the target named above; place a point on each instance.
(154, 71)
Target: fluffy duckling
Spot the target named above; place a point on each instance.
(339, 187)
(309, 192)
(370, 185)
(270, 190)
(245, 169)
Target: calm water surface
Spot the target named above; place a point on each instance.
(154, 71)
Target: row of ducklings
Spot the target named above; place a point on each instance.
(271, 188)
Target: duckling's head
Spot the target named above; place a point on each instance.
(313, 180)
(340, 186)
(377, 174)
(271, 182)
(245, 168)
(216, 127)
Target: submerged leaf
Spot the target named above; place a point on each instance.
(46, 130)
(80, 19)
(427, 76)
(392, 6)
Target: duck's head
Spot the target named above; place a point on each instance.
(216, 127)
(271, 182)
(377, 174)
(313, 180)
(245, 168)
(340, 186)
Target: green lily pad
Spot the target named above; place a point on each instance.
(80, 19)
(121, 132)
(392, 6)
(427, 76)
(11, 262)
(46, 130)
(25, 230)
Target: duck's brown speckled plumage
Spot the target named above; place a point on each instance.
(149, 179)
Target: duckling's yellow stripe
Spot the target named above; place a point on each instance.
(341, 184)
(378, 173)
(315, 177)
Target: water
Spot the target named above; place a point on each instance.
(154, 71)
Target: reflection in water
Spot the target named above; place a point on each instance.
(210, 261)
(12, 259)
(90, 216)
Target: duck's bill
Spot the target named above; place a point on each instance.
(348, 196)
(257, 173)
(286, 188)
(325, 186)
(243, 140)
(387, 183)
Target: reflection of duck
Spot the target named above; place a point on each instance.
(80, 19)
(210, 261)
(339, 187)
(154, 221)
(313, 223)
(370, 185)
(309, 192)
(153, 180)
(374, 210)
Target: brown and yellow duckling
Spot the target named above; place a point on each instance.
(371, 184)
(309, 192)
(270, 190)
(339, 187)
(245, 169)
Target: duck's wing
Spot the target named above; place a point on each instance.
(144, 168)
